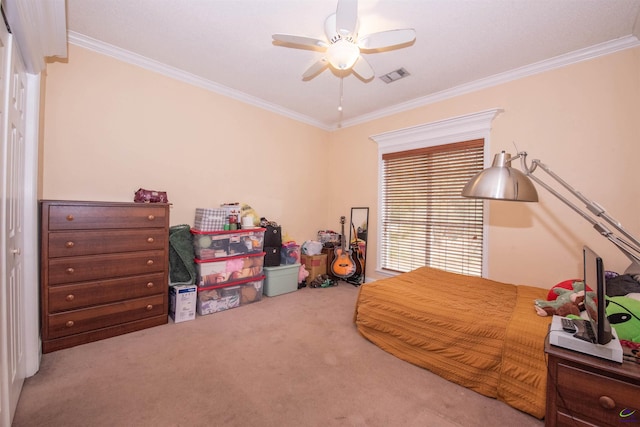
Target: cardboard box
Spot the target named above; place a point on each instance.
(280, 280)
(182, 302)
(314, 264)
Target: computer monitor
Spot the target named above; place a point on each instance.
(595, 301)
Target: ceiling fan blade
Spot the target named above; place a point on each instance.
(301, 41)
(385, 39)
(316, 68)
(363, 69)
(347, 17)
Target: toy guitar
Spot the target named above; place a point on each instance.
(342, 265)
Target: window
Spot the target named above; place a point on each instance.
(425, 220)
(422, 218)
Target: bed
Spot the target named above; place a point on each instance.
(478, 333)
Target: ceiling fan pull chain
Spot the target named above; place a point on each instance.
(341, 93)
(340, 104)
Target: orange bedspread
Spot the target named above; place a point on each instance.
(481, 334)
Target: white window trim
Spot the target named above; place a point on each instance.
(456, 129)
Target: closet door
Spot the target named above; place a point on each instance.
(12, 286)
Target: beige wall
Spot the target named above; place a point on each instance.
(582, 120)
(110, 128)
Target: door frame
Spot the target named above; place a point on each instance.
(30, 306)
(33, 348)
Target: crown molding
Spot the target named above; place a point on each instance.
(39, 28)
(181, 75)
(497, 79)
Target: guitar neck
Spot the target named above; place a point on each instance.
(343, 240)
(354, 241)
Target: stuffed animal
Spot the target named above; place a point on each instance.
(566, 302)
(246, 211)
(623, 313)
(554, 292)
(302, 274)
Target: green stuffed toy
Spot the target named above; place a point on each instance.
(568, 303)
(623, 314)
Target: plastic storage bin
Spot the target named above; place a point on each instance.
(290, 254)
(213, 299)
(224, 270)
(220, 244)
(281, 280)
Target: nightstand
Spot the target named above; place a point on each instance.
(584, 390)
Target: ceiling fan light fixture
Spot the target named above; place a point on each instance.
(342, 45)
(343, 54)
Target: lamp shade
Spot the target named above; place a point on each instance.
(501, 182)
(343, 54)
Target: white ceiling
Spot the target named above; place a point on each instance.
(461, 45)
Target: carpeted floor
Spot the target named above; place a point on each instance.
(290, 360)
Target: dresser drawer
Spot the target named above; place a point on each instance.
(74, 243)
(95, 267)
(93, 318)
(589, 396)
(79, 217)
(70, 297)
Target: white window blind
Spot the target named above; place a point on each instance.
(425, 220)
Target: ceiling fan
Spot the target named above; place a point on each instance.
(343, 47)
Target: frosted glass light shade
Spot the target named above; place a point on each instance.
(343, 54)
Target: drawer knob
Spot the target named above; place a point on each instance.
(149, 307)
(150, 285)
(69, 217)
(70, 297)
(69, 244)
(70, 270)
(150, 240)
(606, 402)
(150, 262)
(151, 217)
(69, 323)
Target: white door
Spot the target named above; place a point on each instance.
(12, 291)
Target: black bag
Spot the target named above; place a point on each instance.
(273, 236)
(272, 256)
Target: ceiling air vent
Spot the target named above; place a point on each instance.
(395, 75)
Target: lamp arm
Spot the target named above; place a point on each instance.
(630, 248)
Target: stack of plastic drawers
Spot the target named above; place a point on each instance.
(229, 265)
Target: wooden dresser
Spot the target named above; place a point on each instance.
(104, 270)
(584, 390)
